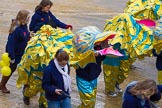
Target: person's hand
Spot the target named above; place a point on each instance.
(12, 61)
(58, 91)
(32, 33)
(69, 27)
(96, 54)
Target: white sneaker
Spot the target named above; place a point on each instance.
(112, 94)
(118, 89)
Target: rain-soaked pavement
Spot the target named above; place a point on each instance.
(79, 13)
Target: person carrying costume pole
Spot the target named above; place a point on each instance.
(43, 16)
(115, 70)
(17, 41)
(86, 79)
(157, 52)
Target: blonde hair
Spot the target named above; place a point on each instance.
(20, 19)
(149, 85)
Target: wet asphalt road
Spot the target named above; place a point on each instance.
(79, 13)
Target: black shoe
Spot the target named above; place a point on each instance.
(26, 100)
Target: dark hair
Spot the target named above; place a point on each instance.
(20, 19)
(42, 4)
(61, 55)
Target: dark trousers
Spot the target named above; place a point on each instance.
(13, 67)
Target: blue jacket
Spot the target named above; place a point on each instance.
(17, 41)
(52, 79)
(158, 60)
(131, 101)
(40, 18)
(91, 71)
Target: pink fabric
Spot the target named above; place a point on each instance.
(147, 22)
(110, 50)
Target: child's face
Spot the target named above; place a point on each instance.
(62, 63)
(27, 19)
(147, 93)
(46, 8)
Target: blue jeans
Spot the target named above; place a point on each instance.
(66, 103)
